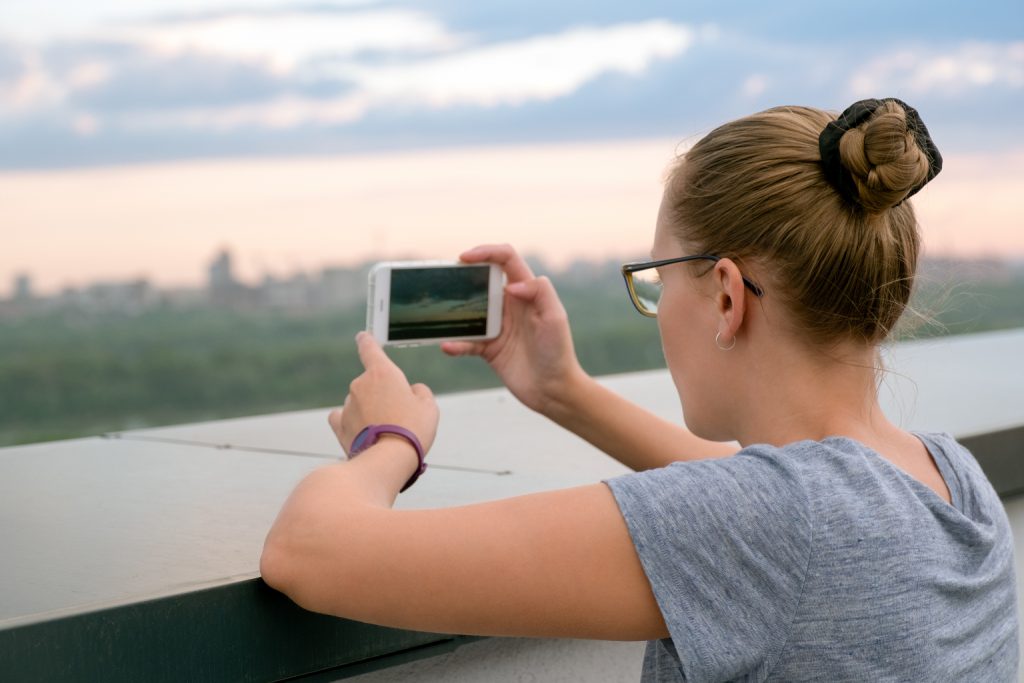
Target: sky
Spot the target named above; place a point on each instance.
(138, 138)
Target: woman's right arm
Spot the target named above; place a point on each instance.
(632, 435)
(534, 357)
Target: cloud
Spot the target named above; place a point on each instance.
(950, 72)
(287, 40)
(25, 84)
(190, 60)
(754, 86)
(153, 82)
(78, 81)
(223, 77)
(37, 80)
(283, 69)
(541, 68)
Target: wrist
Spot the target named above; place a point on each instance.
(395, 440)
(564, 402)
(392, 460)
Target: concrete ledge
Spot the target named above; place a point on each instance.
(242, 630)
(135, 557)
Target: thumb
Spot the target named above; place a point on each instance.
(334, 420)
(422, 390)
(463, 348)
(538, 291)
(547, 297)
(526, 290)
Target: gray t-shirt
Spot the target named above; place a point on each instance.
(822, 561)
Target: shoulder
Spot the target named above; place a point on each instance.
(944, 447)
(725, 545)
(972, 492)
(756, 476)
(762, 491)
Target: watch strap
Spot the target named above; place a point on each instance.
(370, 434)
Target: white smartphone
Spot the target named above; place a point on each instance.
(428, 302)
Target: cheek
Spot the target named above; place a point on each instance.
(681, 322)
(689, 353)
(677, 347)
(687, 335)
(669, 340)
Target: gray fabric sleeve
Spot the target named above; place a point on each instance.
(725, 545)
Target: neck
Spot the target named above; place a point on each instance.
(802, 396)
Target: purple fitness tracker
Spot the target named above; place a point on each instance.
(371, 434)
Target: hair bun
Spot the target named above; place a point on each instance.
(878, 153)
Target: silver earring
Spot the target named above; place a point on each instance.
(718, 343)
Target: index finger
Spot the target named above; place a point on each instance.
(370, 352)
(503, 255)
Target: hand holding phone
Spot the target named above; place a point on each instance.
(534, 354)
(429, 302)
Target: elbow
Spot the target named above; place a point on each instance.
(285, 556)
(303, 553)
(275, 563)
(281, 568)
(291, 542)
(290, 573)
(297, 566)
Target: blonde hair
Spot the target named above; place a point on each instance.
(754, 190)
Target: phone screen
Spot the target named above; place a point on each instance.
(436, 302)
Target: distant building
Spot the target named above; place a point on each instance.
(181, 298)
(223, 288)
(582, 272)
(23, 288)
(293, 293)
(131, 297)
(341, 287)
(221, 275)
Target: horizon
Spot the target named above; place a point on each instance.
(257, 279)
(559, 201)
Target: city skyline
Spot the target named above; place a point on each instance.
(220, 275)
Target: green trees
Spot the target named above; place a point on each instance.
(64, 375)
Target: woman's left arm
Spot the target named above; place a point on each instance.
(557, 564)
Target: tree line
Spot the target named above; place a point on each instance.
(65, 375)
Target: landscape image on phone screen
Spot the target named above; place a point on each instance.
(429, 303)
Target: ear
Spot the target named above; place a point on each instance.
(730, 300)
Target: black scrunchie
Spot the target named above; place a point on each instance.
(856, 114)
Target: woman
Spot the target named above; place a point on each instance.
(832, 546)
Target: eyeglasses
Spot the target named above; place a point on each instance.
(645, 287)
